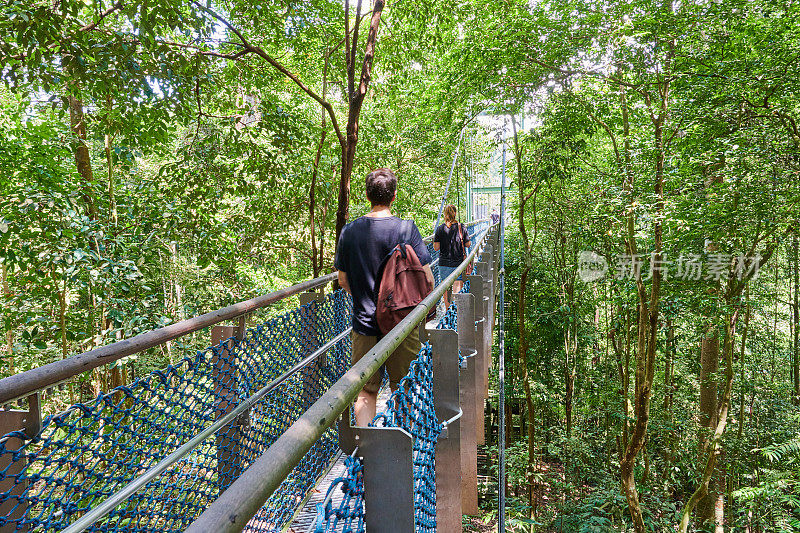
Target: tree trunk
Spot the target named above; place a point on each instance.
(742, 360)
(108, 142)
(82, 159)
(709, 365)
(62, 326)
(112, 200)
(714, 442)
(647, 324)
(525, 378)
(316, 255)
(669, 368)
(669, 392)
(796, 317)
(180, 313)
(569, 383)
(10, 333)
(356, 101)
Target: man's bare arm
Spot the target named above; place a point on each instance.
(429, 274)
(436, 245)
(343, 282)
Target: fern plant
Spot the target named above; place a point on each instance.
(773, 502)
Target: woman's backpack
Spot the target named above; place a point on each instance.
(402, 284)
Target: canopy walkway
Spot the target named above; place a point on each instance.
(237, 436)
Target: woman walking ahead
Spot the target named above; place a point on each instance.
(452, 241)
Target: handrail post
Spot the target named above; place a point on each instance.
(477, 287)
(494, 240)
(444, 344)
(310, 341)
(488, 326)
(465, 303)
(30, 422)
(491, 281)
(387, 454)
(229, 439)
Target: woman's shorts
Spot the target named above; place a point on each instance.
(444, 273)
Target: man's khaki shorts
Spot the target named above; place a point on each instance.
(396, 365)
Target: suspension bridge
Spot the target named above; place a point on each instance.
(239, 436)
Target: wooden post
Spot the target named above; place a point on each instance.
(310, 375)
(229, 439)
(30, 422)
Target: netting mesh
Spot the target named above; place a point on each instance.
(410, 407)
(92, 450)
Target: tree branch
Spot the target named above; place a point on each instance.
(568, 72)
(280, 68)
(369, 52)
(353, 51)
(116, 7)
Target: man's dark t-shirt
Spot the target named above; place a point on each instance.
(363, 245)
(451, 251)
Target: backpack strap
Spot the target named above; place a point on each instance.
(405, 231)
(463, 242)
(405, 235)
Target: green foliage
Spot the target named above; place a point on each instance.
(202, 157)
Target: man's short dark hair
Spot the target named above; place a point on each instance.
(381, 186)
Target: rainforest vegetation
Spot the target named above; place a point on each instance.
(159, 160)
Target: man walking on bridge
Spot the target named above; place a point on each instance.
(363, 245)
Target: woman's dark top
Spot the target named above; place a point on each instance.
(451, 251)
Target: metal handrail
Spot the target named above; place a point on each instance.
(245, 496)
(128, 490)
(21, 385)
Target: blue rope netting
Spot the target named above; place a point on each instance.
(92, 450)
(410, 407)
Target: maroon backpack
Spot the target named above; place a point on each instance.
(402, 283)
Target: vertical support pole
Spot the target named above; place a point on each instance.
(310, 342)
(467, 334)
(30, 421)
(469, 209)
(488, 312)
(477, 287)
(444, 344)
(228, 439)
(388, 479)
(501, 365)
